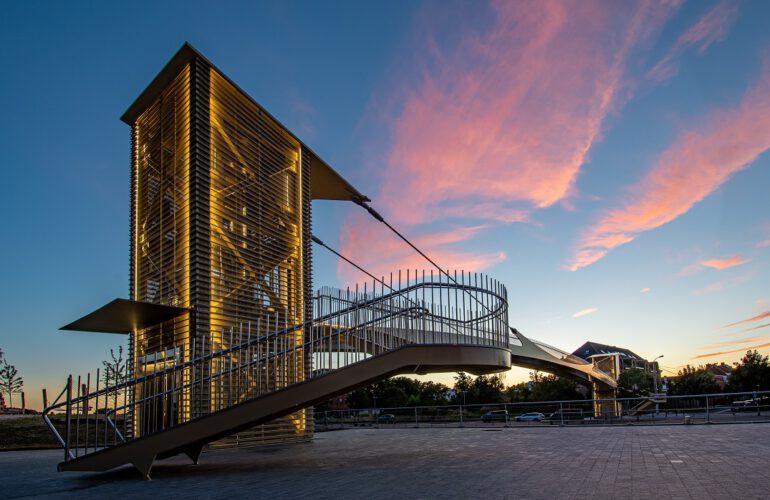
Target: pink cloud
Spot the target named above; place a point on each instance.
(585, 312)
(728, 343)
(387, 253)
(710, 28)
(720, 264)
(510, 114)
(645, 290)
(758, 317)
(695, 165)
(500, 120)
(732, 351)
(758, 327)
(763, 244)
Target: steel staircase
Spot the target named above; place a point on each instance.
(428, 324)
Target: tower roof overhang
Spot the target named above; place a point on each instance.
(125, 316)
(326, 183)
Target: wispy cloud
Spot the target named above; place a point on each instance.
(728, 343)
(712, 27)
(645, 290)
(502, 114)
(720, 264)
(732, 351)
(389, 254)
(697, 163)
(758, 327)
(763, 244)
(585, 312)
(758, 317)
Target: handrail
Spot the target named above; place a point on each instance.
(49, 424)
(369, 325)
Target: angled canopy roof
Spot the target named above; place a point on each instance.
(326, 184)
(124, 316)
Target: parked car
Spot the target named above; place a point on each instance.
(566, 415)
(530, 417)
(750, 404)
(386, 418)
(495, 416)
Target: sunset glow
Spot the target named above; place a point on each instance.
(606, 161)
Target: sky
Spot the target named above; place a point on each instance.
(606, 161)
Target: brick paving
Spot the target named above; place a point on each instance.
(696, 461)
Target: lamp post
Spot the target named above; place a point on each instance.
(655, 383)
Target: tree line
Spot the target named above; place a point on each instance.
(486, 389)
(751, 373)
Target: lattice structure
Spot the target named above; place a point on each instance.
(220, 224)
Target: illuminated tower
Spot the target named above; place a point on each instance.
(220, 230)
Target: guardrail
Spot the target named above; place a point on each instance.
(721, 408)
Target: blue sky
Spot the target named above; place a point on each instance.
(579, 152)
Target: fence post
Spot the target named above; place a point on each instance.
(461, 416)
(45, 399)
(561, 413)
(708, 416)
(416, 422)
(68, 420)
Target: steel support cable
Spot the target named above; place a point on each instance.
(363, 204)
(378, 280)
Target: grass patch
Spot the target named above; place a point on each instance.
(27, 432)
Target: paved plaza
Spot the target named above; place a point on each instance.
(694, 461)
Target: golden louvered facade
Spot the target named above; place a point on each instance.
(220, 224)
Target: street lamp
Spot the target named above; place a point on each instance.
(655, 383)
(655, 374)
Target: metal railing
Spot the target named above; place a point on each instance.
(174, 386)
(718, 408)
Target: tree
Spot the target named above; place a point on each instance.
(519, 392)
(553, 388)
(114, 369)
(635, 382)
(751, 373)
(488, 389)
(481, 390)
(397, 392)
(2, 400)
(10, 382)
(463, 382)
(691, 380)
(433, 394)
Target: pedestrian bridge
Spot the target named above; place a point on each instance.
(428, 324)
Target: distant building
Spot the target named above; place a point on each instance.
(628, 358)
(615, 360)
(721, 373)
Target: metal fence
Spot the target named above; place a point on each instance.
(720, 408)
